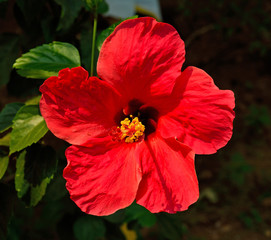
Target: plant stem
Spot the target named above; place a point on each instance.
(93, 42)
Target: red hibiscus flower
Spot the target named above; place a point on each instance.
(134, 130)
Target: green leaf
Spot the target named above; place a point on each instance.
(102, 7)
(47, 60)
(56, 190)
(69, 12)
(144, 217)
(21, 185)
(33, 101)
(32, 194)
(170, 226)
(105, 33)
(7, 115)
(96, 5)
(28, 128)
(38, 192)
(40, 163)
(117, 217)
(89, 228)
(9, 50)
(3, 165)
(5, 141)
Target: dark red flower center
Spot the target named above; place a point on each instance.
(134, 123)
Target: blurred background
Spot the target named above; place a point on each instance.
(231, 41)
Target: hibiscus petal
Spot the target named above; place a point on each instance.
(77, 108)
(142, 58)
(204, 117)
(169, 181)
(102, 181)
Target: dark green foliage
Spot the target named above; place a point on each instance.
(7, 114)
(89, 228)
(30, 14)
(258, 116)
(236, 171)
(170, 226)
(96, 5)
(6, 208)
(40, 163)
(9, 51)
(35, 168)
(140, 214)
(85, 46)
(251, 218)
(69, 12)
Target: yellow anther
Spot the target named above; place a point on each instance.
(131, 131)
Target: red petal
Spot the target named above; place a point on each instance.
(77, 108)
(142, 58)
(204, 117)
(169, 182)
(102, 181)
